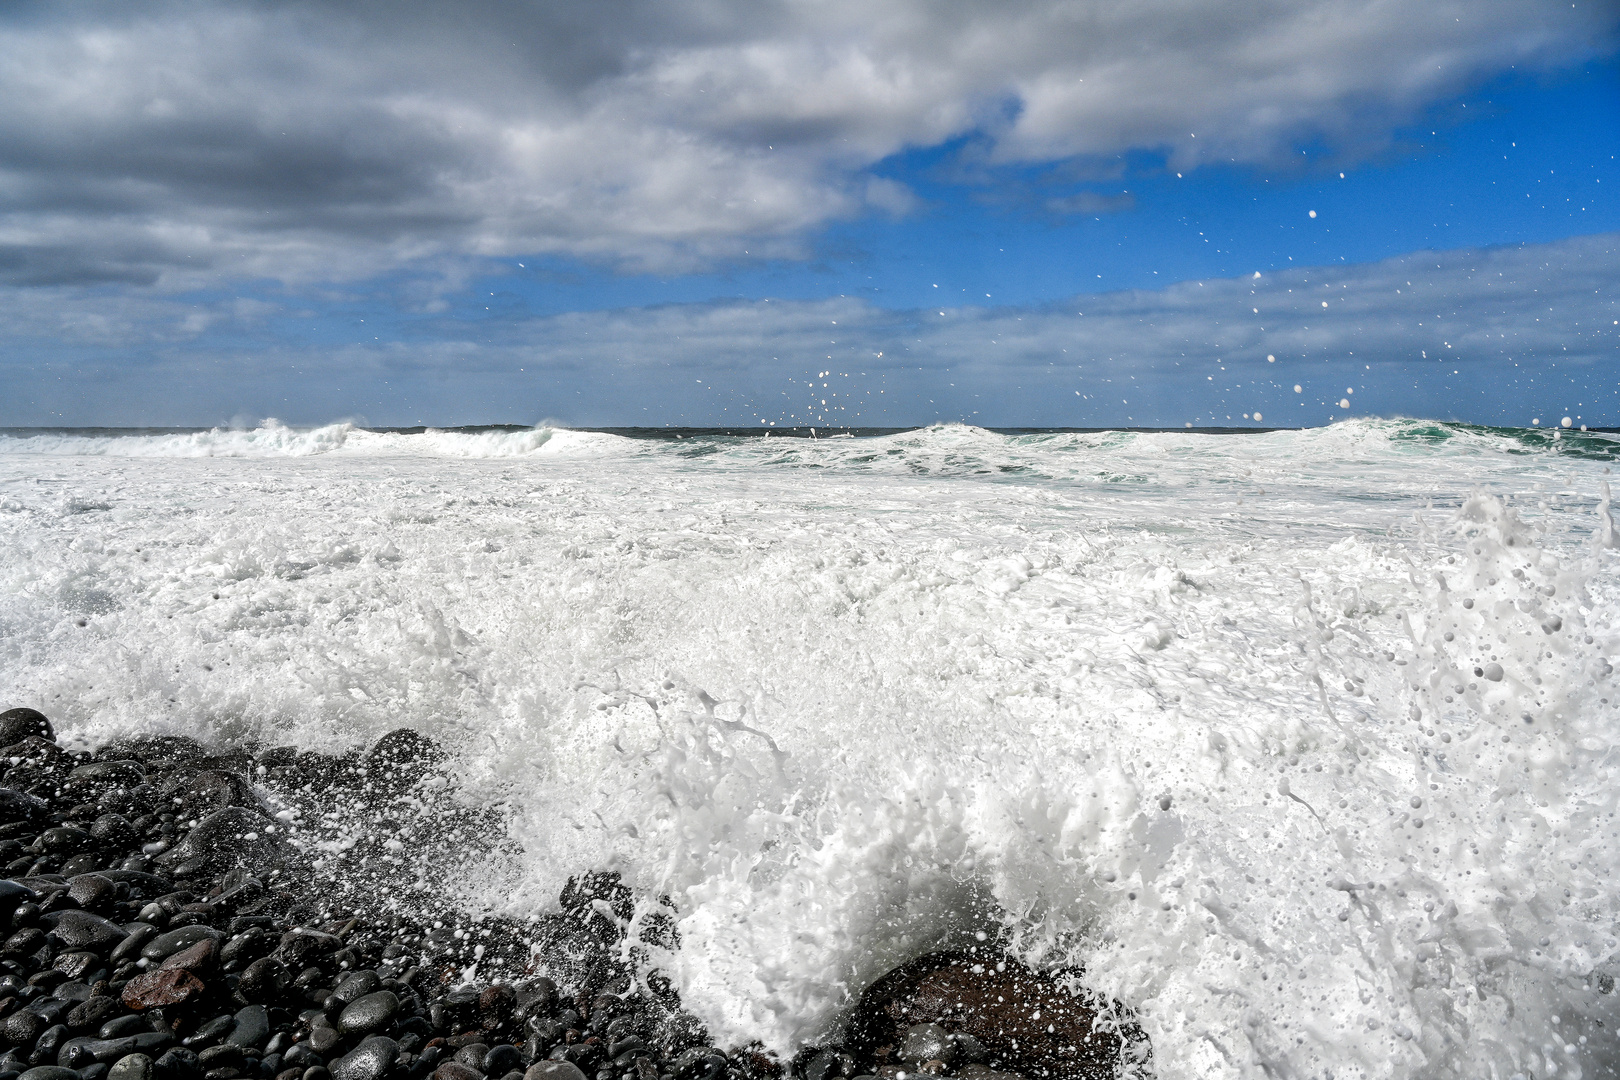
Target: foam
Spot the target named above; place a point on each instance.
(275, 440)
(849, 700)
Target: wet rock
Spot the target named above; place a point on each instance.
(82, 930)
(300, 948)
(1027, 1021)
(233, 836)
(455, 1070)
(92, 892)
(220, 1057)
(371, 1060)
(104, 774)
(472, 1055)
(244, 948)
(173, 941)
(496, 1006)
(501, 1060)
(50, 1072)
(108, 1051)
(323, 1038)
(203, 793)
(137, 939)
(830, 1064)
(927, 1042)
(128, 1024)
(21, 1028)
(356, 985)
(251, 1027)
(21, 807)
(157, 989)
(114, 831)
(76, 964)
(18, 724)
(177, 1063)
(264, 980)
(94, 1012)
(66, 840)
(199, 959)
(699, 1063)
(131, 1067)
(11, 895)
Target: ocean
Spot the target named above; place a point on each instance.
(1300, 743)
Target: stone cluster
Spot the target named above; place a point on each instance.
(161, 925)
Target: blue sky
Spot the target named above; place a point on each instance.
(205, 258)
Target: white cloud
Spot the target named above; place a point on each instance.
(176, 141)
(1478, 334)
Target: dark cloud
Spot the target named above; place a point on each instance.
(1495, 335)
(310, 141)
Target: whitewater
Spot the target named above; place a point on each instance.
(1300, 743)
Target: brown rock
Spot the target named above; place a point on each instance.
(195, 958)
(455, 1070)
(155, 989)
(1028, 1022)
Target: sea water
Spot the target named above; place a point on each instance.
(1300, 743)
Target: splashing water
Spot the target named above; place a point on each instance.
(1301, 743)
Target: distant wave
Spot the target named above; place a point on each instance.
(276, 440)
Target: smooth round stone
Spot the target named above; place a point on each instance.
(121, 771)
(502, 1059)
(131, 946)
(17, 724)
(21, 806)
(252, 1027)
(165, 945)
(472, 1056)
(371, 1060)
(82, 930)
(554, 1070)
(129, 1024)
(357, 985)
(66, 840)
(131, 1067)
(50, 1072)
(369, 1013)
(92, 891)
(927, 1042)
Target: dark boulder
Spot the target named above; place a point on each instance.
(368, 1014)
(82, 930)
(17, 724)
(231, 837)
(371, 1060)
(263, 981)
(157, 989)
(13, 894)
(165, 945)
(21, 807)
(1026, 1021)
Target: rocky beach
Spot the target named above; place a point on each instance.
(166, 922)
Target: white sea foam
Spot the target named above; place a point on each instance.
(1218, 716)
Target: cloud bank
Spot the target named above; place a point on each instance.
(1494, 335)
(181, 143)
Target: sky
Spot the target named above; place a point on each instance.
(714, 212)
